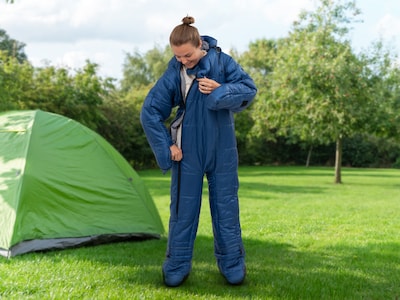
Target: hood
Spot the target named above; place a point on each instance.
(208, 42)
(204, 66)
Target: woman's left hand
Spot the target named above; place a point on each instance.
(206, 85)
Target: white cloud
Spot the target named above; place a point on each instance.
(389, 26)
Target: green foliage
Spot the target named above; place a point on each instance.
(122, 128)
(142, 70)
(334, 17)
(258, 61)
(11, 47)
(397, 163)
(320, 91)
(52, 89)
(370, 151)
(243, 123)
(314, 90)
(15, 80)
(318, 83)
(385, 79)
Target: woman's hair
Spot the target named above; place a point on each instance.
(185, 33)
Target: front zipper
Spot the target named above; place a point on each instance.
(184, 96)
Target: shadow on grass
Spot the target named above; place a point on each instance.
(378, 173)
(270, 171)
(281, 271)
(274, 270)
(250, 189)
(254, 190)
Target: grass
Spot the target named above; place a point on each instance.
(305, 238)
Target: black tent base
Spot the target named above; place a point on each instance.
(64, 243)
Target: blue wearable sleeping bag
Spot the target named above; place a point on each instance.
(209, 149)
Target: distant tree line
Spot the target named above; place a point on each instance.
(319, 102)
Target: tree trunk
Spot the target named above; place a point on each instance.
(338, 161)
(309, 156)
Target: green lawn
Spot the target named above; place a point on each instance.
(305, 237)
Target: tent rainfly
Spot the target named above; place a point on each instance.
(62, 185)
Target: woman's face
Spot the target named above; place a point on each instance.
(187, 54)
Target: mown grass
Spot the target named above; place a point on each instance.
(305, 238)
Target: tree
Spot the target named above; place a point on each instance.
(142, 70)
(15, 81)
(12, 47)
(52, 89)
(385, 76)
(250, 132)
(121, 127)
(319, 91)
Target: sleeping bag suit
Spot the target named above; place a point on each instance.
(209, 148)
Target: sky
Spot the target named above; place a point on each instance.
(67, 33)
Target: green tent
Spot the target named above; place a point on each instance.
(62, 185)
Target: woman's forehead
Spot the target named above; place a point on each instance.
(183, 49)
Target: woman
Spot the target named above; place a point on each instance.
(208, 86)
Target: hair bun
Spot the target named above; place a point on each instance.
(188, 20)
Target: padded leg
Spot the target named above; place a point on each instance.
(186, 190)
(228, 245)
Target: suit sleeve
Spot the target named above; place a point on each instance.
(156, 109)
(237, 91)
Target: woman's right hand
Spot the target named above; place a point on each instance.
(176, 153)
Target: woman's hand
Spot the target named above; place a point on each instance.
(176, 153)
(206, 85)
